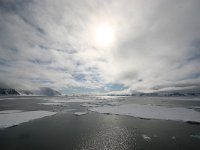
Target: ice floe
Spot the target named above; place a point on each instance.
(11, 118)
(80, 113)
(91, 105)
(145, 137)
(151, 112)
(54, 104)
(82, 100)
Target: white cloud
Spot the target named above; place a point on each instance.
(48, 43)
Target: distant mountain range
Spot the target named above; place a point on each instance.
(188, 92)
(44, 91)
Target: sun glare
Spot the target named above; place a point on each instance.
(104, 35)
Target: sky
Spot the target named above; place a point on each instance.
(100, 46)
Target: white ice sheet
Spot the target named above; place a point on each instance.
(14, 117)
(151, 112)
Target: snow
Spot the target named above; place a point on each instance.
(151, 112)
(11, 118)
(80, 113)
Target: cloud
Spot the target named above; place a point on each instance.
(52, 43)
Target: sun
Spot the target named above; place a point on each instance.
(104, 35)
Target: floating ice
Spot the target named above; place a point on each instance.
(82, 100)
(90, 105)
(151, 112)
(114, 103)
(145, 137)
(54, 104)
(11, 118)
(80, 113)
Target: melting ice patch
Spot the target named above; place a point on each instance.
(11, 118)
(151, 112)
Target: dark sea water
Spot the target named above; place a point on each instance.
(94, 131)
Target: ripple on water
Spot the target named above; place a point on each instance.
(115, 138)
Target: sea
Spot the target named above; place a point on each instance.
(99, 123)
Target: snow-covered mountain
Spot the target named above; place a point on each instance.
(25, 92)
(8, 91)
(44, 91)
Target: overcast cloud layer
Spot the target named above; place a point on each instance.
(51, 43)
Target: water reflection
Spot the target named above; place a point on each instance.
(113, 138)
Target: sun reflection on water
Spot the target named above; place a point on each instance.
(115, 138)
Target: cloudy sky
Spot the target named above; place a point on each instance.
(81, 46)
